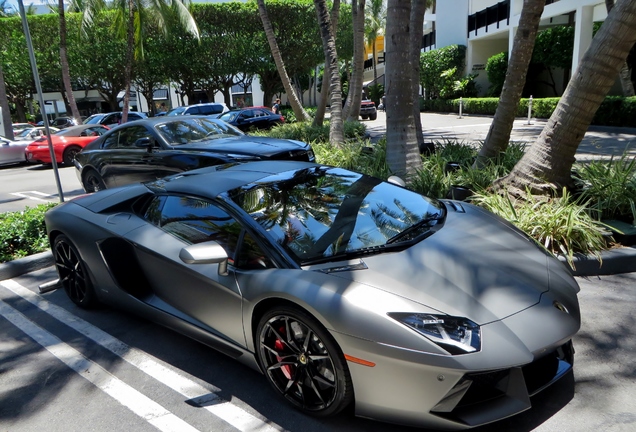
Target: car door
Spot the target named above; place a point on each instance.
(134, 157)
(12, 151)
(195, 292)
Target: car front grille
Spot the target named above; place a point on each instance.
(483, 397)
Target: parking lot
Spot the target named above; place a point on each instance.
(66, 369)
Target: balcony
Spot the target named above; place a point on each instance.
(491, 15)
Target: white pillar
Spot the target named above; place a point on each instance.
(583, 28)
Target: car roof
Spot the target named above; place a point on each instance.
(213, 181)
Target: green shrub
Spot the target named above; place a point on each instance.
(562, 225)
(608, 187)
(306, 132)
(23, 233)
(433, 65)
(496, 67)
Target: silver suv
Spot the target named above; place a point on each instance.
(199, 109)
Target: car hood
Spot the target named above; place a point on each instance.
(476, 266)
(246, 145)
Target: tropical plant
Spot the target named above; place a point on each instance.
(562, 225)
(547, 165)
(499, 133)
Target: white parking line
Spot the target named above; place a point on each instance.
(138, 403)
(27, 195)
(230, 413)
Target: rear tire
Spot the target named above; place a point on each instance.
(373, 116)
(364, 117)
(302, 361)
(69, 155)
(93, 182)
(73, 273)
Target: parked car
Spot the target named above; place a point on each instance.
(368, 110)
(252, 118)
(66, 144)
(199, 109)
(12, 152)
(114, 118)
(342, 289)
(64, 122)
(34, 132)
(153, 148)
(19, 127)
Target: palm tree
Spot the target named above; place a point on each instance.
(4, 107)
(625, 74)
(66, 75)
(523, 45)
(402, 153)
(374, 27)
(336, 125)
(299, 111)
(418, 8)
(547, 165)
(131, 18)
(351, 109)
(326, 84)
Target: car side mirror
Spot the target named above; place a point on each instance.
(396, 181)
(205, 253)
(145, 142)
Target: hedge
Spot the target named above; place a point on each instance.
(614, 110)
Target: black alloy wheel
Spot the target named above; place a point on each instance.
(303, 362)
(69, 155)
(72, 272)
(93, 182)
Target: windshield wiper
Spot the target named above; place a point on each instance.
(416, 226)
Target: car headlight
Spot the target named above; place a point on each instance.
(456, 335)
(311, 155)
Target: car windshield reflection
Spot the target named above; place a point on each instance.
(321, 213)
(188, 130)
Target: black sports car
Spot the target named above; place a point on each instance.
(341, 288)
(150, 149)
(252, 118)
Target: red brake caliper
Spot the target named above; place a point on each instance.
(280, 346)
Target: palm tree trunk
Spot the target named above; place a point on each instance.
(4, 106)
(625, 75)
(336, 126)
(66, 75)
(523, 45)
(299, 111)
(402, 153)
(324, 91)
(351, 110)
(130, 50)
(547, 164)
(418, 8)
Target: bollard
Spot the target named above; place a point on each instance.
(529, 109)
(461, 106)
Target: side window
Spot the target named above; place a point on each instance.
(111, 141)
(112, 119)
(194, 220)
(128, 136)
(248, 114)
(192, 111)
(251, 255)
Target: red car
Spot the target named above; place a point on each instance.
(66, 144)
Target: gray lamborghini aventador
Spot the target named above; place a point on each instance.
(341, 288)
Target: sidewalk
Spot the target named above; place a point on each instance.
(600, 142)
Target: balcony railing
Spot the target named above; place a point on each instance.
(428, 40)
(491, 15)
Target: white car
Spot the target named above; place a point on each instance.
(33, 132)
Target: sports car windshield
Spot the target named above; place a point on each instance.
(186, 129)
(322, 213)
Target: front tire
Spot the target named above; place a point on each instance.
(373, 116)
(303, 362)
(73, 274)
(93, 182)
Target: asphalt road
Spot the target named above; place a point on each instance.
(63, 369)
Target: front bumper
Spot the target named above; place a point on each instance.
(521, 355)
